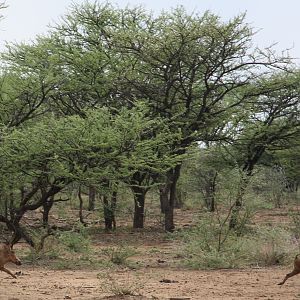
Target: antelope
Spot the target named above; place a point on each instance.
(294, 272)
(8, 255)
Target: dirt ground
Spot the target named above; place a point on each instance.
(155, 283)
(157, 276)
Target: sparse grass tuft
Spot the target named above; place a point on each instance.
(117, 287)
(75, 241)
(119, 255)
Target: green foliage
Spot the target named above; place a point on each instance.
(269, 246)
(75, 241)
(111, 92)
(52, 250)
(79, 148)
(66, 250)
(56, 152)
(119, 255)
(289, 160)
(295, 223)
(212, 245)
(262, 246)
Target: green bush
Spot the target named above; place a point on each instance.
(119, 255)
(269, 246)
(211, 245)
(75, 241)
(58, 246)
(295, 223)
(51, 251)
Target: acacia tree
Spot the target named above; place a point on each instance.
(201, 170)
(39, 161)
(288, 159)
(270, 122)
(80, 70)
(189, 69)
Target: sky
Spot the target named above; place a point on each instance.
(276, 21)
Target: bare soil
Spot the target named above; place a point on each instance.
(157, 274)
(155, 283)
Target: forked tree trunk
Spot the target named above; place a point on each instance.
(20, 233)
(47, 195)
(167, 197)
(246, 173)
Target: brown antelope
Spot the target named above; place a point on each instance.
(7, 255)
(294, 272)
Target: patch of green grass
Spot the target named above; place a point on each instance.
(154, 250)
(119, 255)
(78, 263)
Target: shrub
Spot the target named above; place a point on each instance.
(119, 255)
(295, 220)
(270, 246)
(211, 245)
(116, 287)
(75, 241)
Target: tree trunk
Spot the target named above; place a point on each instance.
(46, 209)
(139, 206)
(139, 185)
(109, 211)
(113, 209)
(106, 210)
(167, 196)
(178, 199)
(20, 233)
(81, 219)
(163, 198)
(210, 190)
(11, 202)
(169, 219)
(5, 201)
(235, 213)
(92, 198)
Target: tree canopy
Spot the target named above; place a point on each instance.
(115, 95)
